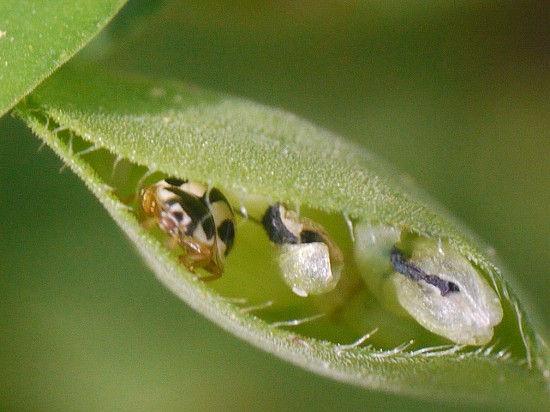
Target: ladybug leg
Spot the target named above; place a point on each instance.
(172, 242)
(149, 223)
(199, 256)
(215, 272)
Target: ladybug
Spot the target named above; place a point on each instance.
(197, 218)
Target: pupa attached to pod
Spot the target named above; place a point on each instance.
(309, 260)
(430, 281)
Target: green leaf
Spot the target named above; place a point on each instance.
(36, 37)
(113, 130)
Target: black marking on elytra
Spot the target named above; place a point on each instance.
(275, 227)
(197, 211)
(226, 232)
(401, 265)
(309, 236)
(214, 195)
(178, 216)
(173, 181)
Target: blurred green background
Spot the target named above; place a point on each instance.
(455, 94)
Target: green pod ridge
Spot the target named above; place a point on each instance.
(238, 146)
